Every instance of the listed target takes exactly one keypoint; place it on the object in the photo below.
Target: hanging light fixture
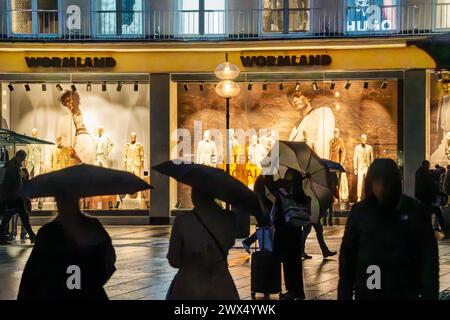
(384, 84)
(27, 87)
(315, 86)
(136, 86)
(44, 87)
(297, 86)
(119, 87)
(366, 84)
(73, 87)
(104, 86)
(88, 87)
(439, 76)
(59, 87)
(227, 71)
(347, 85)
(332, 85)
(10, 87)
(228, 89)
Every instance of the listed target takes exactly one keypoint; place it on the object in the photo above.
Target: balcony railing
(188, 25)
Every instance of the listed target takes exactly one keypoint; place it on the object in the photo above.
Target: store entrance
(113, 111)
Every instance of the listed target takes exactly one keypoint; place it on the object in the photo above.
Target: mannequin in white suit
(206, 151)
(362, 159)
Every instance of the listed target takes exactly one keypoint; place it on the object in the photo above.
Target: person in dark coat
(446, 184)
(426, 190)
(389, 250)
(72, 243)
(198, 248)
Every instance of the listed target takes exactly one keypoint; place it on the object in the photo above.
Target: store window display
(441, 111)
(34, 161)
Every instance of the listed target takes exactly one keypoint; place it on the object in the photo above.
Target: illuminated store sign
(70, 62)
(286, 61)
(365, 15)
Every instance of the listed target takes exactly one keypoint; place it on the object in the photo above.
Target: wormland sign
(70, 62)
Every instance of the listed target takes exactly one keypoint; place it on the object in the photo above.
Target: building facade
(143, 69)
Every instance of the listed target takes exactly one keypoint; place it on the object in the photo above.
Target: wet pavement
(144, 273)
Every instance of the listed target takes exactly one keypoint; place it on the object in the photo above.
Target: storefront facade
(378, 89)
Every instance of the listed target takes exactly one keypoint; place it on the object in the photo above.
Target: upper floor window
(34, 16)
(284, 16)
(442, 15)
(372, 15)
(119, 17)
(202, 17)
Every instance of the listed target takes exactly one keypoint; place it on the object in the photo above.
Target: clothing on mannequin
(362, 159)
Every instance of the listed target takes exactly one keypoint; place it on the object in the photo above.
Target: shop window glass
(274, 13)
(119, 17)
(297, 112)
(372, 15)
(442, 14)
(110, 117)
(34, 16)
(202, 16)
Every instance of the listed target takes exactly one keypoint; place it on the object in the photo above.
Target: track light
(366, 84)
(10, 87)
(119, 87)
(104, 86)
(265, 86)
(136, 86)
(384, 84)
(27, 87)
(58, 86)
(348, 85)
(332, 85)
(315, 86)
(440, 76)
(73, 87)
(202, 86)
(44, 87)
(297, 86)
(88, 87)
(250, 86)
(281, 86)
(186, 87)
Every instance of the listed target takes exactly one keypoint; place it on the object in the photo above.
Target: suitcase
(265, 274)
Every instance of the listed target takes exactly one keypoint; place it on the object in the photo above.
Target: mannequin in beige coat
(203, 271)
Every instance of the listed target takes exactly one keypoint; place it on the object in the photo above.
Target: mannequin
(337, 154)
(206, 151)
(60, 157)
(267, 141)
(439, 156)
(311, 144)
(256, 154)
(362, 159)
(103, 147)
(34, 156)
(234, 147)
(134, 156)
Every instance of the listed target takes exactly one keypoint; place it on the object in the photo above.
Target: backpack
(295, 214)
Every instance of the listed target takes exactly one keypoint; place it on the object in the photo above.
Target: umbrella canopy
(84, 181)
(438, 47)
(334, 166)
(212, 182)
(8, 137)
(299, 156)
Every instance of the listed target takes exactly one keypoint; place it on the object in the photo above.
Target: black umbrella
(84, 181)
(212, 182)
(299, 156)
(335, 166)
(438, 47)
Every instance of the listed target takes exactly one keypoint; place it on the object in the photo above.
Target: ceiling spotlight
(44, 87)
(297, 86)
(104, 86)
(439, 76)
(384, 84)
(88, 87)
(202, 86)
(281, 87)
(58, 86)
(73, 87)
(265, 86)
(366, 84)
(250, 86)
(315, 86)
(27, 87)
(186, 87)
(332, 85)
(119, 86)
(136, 86)
(10, 87)
(347, 85)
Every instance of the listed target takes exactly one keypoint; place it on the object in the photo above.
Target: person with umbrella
(73, 256)
(201, 238)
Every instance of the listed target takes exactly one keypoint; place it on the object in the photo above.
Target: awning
(438, 47)
(8, 137)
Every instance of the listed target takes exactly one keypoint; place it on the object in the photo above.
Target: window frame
(201, 20)
(286, 20)
(94, 18)
(34, 22)
(434, 13)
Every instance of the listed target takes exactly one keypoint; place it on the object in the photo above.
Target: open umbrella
(212, 182)
(84, 181)
(334, 166)
(299, 156)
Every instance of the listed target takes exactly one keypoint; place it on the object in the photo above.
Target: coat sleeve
(175, 254)
(347, 258)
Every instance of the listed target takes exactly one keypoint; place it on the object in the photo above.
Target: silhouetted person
(199, 246)
(426, 190)
(288, 238)
(72, 245)
(15, 220)
(388, 250)
(446, 184)
(11, 198)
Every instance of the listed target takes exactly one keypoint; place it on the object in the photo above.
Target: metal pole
(227, 164)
